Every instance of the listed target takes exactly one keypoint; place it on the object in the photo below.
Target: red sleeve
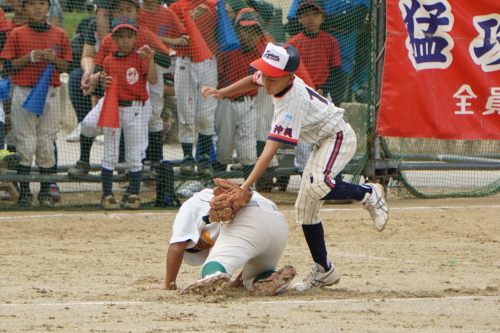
(335, 59)
(155, 42)
(65, 47)
(4, 24)
(104, 50)
(9, 50)
(176, 28)
(105, 66)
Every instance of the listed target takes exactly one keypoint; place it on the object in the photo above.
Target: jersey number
(313, 94)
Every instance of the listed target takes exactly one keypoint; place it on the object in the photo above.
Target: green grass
(71, 21)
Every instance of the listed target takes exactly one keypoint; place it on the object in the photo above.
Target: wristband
(32, 57)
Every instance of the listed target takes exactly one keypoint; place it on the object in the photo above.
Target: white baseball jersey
(302, 115)
(255, 239)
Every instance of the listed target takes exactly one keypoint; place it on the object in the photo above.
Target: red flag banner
(442, 70)
(110, 112)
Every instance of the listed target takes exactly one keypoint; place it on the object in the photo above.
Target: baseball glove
(228, 200)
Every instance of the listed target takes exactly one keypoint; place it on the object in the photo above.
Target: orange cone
(201, 51)
(110, 113)
(304, 75)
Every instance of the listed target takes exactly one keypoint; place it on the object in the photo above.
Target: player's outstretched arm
(240, 86)
(175, 254)
(146, 52)
(262, 163)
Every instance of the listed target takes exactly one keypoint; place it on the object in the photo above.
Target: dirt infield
(436, 268)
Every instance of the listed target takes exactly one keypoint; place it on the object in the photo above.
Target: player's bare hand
(182, 40)
(198, 11)
(163, 286)
(49, 54)
(209, 91)
(108, 81)
(89, 83)
(146, 52)
(36, 55)
(320, 92)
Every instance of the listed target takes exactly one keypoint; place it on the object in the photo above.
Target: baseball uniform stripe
(282, 139)
(333, 157)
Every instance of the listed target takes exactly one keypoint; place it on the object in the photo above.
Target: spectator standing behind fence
(31, 48)
(168, 27)
(128, 9)
(196, 67)
(131, 70)
(56, 14)
(236, 117)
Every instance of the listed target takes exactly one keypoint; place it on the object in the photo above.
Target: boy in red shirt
(132, 70)
(318, 50)
(235, 117)
(122, 9)
(31, 48)
(192, 71)
(170, 30)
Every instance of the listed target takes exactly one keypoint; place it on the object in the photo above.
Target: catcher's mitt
(228, 199)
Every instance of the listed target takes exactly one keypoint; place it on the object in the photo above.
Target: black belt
(125, 103)
(239, 98)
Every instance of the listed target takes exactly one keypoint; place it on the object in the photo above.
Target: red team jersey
(131, 72)
(23, 40)
(164, 22)
(4, 24)
(319, 54)
(234, 66)
(144, 37)
(206, 23)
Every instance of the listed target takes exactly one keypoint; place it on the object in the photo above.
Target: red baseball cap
(318, 4)
(123, 22)
(248, 17)
(277, 60)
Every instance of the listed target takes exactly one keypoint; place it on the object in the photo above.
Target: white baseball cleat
(377, 206)
(274, 284)
(318, 279)
(208, 284)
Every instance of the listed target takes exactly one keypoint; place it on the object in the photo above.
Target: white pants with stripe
(137, 134)
(235, 125)
(328, 158)
(196, 114)
(256, 239)
(35, 135)
(132, 123)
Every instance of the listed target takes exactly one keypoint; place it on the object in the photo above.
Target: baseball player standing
(196, 115)
(255, 240)
(31, 48)
(236, 117)
(302, 115)
(132, 70)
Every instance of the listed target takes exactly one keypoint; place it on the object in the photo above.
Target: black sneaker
(45, 200)
(187, 166)
(205, 166)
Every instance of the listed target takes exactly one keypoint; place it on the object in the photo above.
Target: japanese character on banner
(493, 103)
(464, 93)
(427, 22)
(485, 48)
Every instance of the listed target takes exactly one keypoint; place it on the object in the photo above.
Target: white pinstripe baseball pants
(328, 158)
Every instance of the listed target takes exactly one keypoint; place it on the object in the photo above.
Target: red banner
(442, 70)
